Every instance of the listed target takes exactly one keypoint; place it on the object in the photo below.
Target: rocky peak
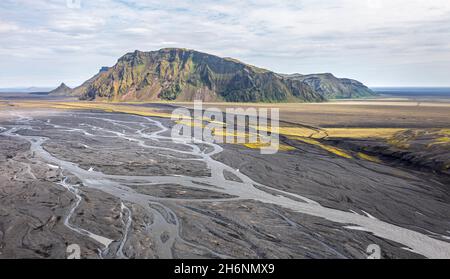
(62, 90)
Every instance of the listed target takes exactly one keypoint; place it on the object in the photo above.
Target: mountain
(62, 90)
(332, 87)
(81, 90)
(185, 75)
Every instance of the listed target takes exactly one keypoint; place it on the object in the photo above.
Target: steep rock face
(62, 90)
(185, 75)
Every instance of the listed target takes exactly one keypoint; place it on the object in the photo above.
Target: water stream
(166, 226)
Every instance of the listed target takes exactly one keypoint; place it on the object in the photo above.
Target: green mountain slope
(185, 75)
(332, 87)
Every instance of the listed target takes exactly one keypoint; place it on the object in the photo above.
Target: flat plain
(109, 178)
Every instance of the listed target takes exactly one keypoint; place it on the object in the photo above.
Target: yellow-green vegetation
(398, 137)
(305, 132)
(381, 133)
(296, 131)
(302, 132)
(242, 138)
(421, 138)
(103, 106)
(439, 141)
(107, 107)
(403, 139)
(355, 133)
(281, 147)
(443, 140)
(329, 148)
(235, 135)
(355, 113)
(190, 123)
(445, 132)
(368, 157)
(399, 143)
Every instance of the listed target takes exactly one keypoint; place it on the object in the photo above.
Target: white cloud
(372, 40)
(8, 27)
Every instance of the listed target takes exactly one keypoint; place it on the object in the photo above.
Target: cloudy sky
(379, 42)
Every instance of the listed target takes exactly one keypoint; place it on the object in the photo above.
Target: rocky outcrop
(62, 90)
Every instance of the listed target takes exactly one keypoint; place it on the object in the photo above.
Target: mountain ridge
(176, 74)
